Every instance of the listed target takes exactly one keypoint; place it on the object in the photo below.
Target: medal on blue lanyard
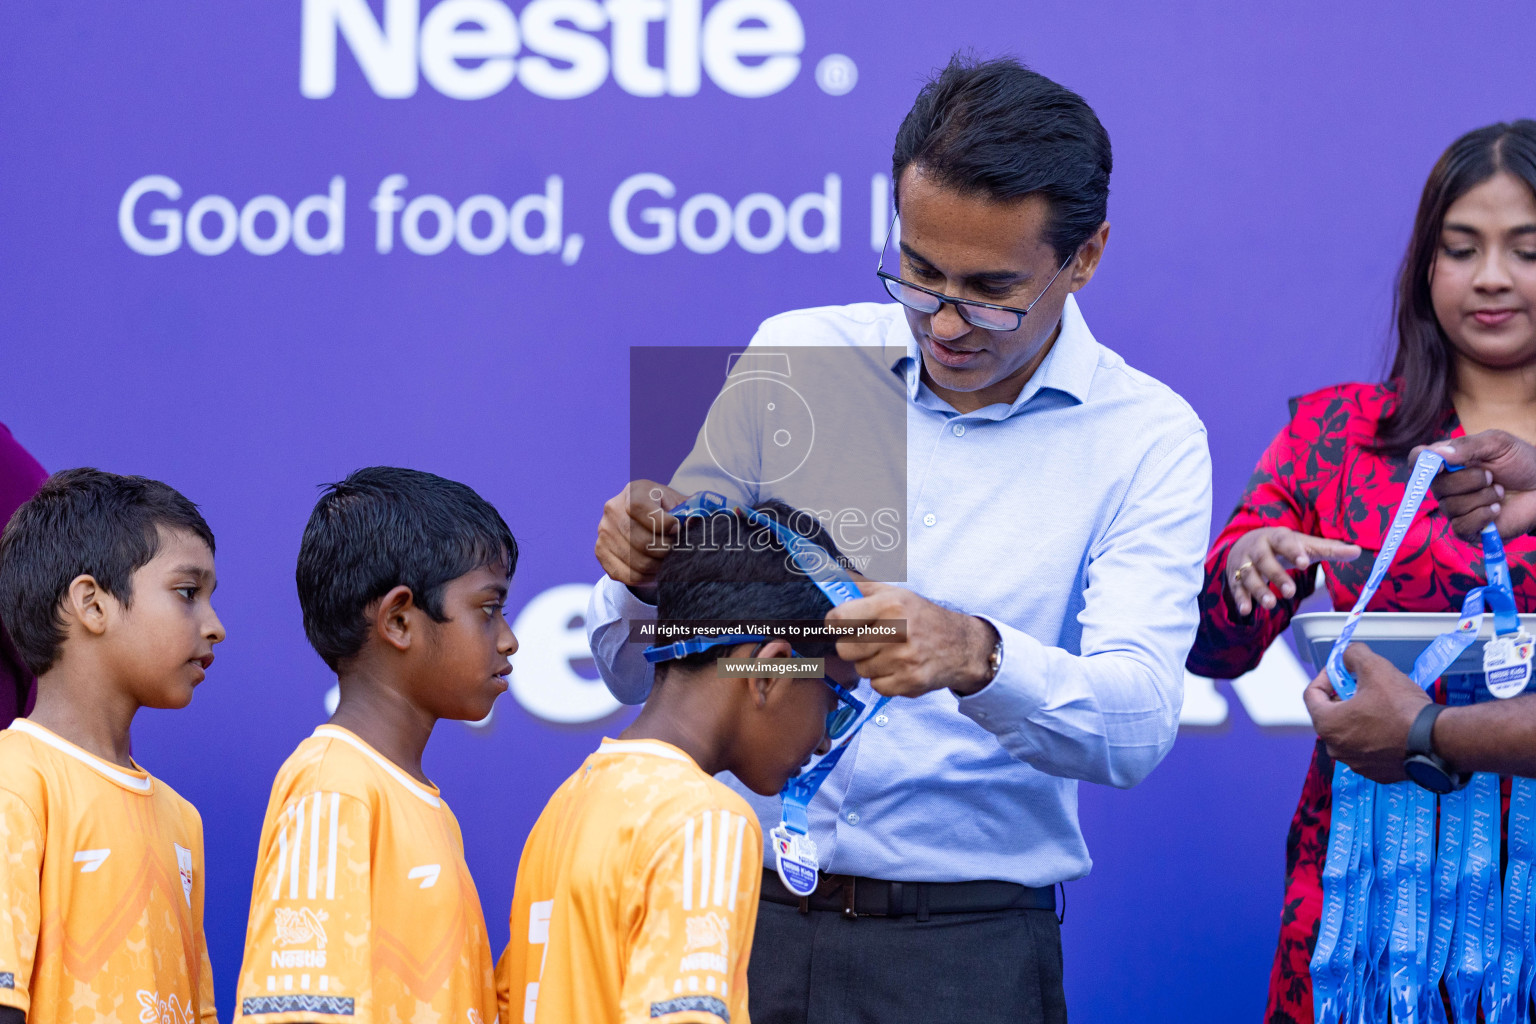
(1347, 972)
(795, 855)
(1507, 657)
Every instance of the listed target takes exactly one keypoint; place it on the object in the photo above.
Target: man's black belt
(853, 896)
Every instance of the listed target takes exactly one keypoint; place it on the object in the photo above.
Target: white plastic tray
(1396, 636)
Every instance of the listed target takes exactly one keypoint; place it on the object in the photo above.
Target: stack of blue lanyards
(1406, 904)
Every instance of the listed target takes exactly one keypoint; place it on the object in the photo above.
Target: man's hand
(1368, 732)
(1497, 485)
(942, 649)
(636, 532)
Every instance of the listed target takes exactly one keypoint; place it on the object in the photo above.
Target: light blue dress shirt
(1075, 520)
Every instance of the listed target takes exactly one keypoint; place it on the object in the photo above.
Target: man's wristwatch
(994, 661)
(1422, 764)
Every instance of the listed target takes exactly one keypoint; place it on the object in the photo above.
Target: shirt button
(959, 429)
(930, 519)
(981, 715)
(881, 719)
(853, 817)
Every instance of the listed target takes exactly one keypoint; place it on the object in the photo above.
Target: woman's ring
(1237, 574)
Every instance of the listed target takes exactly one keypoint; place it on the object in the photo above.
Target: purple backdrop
(1268, 163)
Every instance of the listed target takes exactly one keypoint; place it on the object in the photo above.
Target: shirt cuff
(1008, 700)
(610, 614)
(622, 603)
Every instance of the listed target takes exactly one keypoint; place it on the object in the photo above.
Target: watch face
(1428, 774)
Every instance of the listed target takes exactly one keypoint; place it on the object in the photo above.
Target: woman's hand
(1260, 559)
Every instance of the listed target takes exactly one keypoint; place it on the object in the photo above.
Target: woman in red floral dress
(1324, 492)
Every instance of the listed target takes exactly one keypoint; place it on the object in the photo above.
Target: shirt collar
(1068, 368)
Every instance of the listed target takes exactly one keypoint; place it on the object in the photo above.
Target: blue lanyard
(839, 587)
(806, 555)
(1387, 932)
(1528, 932)
(1508, 1007)
(798, 791)
(1448, 893)
(1480, 879)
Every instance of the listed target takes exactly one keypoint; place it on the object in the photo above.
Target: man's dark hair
(724, 567)
(82, 522)
(996, 129)
(384, 527)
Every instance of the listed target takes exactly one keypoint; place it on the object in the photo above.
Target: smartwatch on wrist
(1422, 764)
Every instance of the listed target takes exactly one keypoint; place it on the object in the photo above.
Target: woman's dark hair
(383, 527)
(81, 522)
(995, 128)
(1422, 370)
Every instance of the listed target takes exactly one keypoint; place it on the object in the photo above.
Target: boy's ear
(762, 686)
(87, 604)
(392, 620)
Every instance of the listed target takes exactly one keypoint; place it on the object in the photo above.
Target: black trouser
(823, 968)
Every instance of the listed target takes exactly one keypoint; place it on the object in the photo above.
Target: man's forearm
(1499, 736)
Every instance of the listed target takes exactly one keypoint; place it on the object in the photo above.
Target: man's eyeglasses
(839, 721)
(989, 316)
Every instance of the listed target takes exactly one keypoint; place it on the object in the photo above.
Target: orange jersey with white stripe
(636, 897)
(102, 873)
(362, 908)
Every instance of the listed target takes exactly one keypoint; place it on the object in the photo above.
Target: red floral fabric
(1320, 477)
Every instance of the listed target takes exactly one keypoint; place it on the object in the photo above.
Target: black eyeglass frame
(891, 281)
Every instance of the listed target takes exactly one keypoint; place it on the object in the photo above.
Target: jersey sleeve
(21, 873)
(686, 961)
(307, 942)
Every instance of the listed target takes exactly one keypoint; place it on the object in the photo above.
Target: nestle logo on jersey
(298, 958)
(295, 926)
(471, 49)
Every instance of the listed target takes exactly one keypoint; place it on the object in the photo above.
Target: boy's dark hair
(383, 527)
(995, 128)
(726, 568)
(81, 522)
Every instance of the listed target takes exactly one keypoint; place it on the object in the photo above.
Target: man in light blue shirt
(1058, 509)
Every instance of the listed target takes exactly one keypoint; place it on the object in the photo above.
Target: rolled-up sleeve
(1110, 713)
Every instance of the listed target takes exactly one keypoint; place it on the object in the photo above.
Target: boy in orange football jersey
(637, 891)
(362, 909)
(105, 583)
